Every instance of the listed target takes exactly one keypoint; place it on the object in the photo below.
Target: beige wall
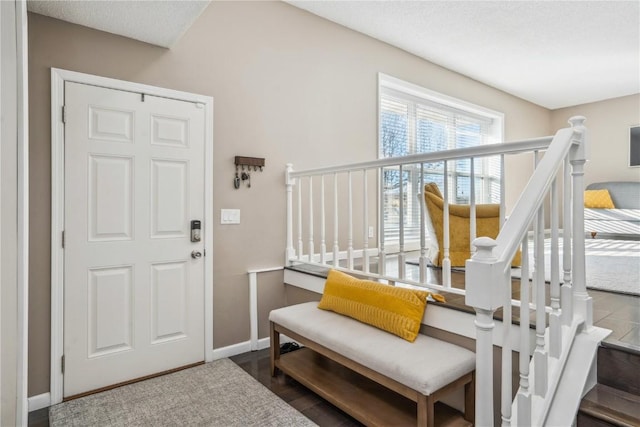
(287, 85)
(608, 123)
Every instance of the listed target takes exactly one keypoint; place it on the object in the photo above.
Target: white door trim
(22, 411)
(58, 78)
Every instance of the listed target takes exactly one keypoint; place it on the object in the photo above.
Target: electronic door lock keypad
(195, 230)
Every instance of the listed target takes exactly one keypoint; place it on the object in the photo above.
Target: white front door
(134, 181)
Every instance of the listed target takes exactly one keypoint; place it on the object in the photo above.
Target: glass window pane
(409, 125)
(394, 119)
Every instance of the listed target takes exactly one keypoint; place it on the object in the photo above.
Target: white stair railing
(308, 197)
(488, 287)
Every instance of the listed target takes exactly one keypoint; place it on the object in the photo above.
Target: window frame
(419, 94)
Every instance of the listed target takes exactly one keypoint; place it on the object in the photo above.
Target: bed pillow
(393, 309)
(598, 199)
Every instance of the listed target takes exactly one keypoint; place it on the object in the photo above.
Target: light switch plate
(229, 216)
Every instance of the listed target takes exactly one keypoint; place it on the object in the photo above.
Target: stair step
(609, 406)
(619, 367)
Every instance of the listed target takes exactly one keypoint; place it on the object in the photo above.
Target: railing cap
(577, 121)
(484, 247)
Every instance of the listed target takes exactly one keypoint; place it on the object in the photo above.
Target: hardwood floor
(308, 403)
(39, 418)
(621, 314)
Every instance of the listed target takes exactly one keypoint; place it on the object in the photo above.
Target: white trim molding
(14, 260)
(39, 401)
(253, 303)
(58, 79)
(22, 412)
(245, 347)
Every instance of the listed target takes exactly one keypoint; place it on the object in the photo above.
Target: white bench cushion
(426, 365)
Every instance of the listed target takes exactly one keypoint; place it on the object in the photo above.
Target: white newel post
(583, 304)
(483, 285)
(290, 252)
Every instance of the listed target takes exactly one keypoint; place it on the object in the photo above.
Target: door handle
(196, 254)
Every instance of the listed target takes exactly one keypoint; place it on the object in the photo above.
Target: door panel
(110, 125)
(169, 297)
(134, 179)
(170, 131)
(110, 311)
(110, 198)
(169, 199)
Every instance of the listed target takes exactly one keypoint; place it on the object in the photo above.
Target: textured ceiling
(552, 53)
(160, 23)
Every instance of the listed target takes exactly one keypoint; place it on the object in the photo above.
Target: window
(415, 120)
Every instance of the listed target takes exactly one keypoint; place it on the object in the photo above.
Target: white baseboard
(245, 347)
(231, 350)
(264, 343)
(39, 401)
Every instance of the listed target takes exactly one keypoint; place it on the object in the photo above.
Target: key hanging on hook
(246, 177)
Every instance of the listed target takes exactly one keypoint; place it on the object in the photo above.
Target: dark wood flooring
(308, 403)
(615, 400)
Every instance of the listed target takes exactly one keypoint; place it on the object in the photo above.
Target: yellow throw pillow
(393, 309)
(598, 199)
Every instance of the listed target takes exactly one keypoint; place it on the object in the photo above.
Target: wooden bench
(376, 377)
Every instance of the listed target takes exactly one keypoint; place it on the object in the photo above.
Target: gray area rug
(219, 393)
(610, 265)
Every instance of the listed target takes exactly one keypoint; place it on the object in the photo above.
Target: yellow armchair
(487, 224)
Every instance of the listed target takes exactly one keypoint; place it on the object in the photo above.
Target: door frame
(58, 78)
(16, 60)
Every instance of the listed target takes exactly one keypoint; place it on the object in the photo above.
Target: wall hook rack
(255, 163)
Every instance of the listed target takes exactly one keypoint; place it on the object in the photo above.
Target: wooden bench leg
(470, 399)
(274, 349)
(425, 411)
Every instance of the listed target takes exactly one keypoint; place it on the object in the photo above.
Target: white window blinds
(412, 124)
